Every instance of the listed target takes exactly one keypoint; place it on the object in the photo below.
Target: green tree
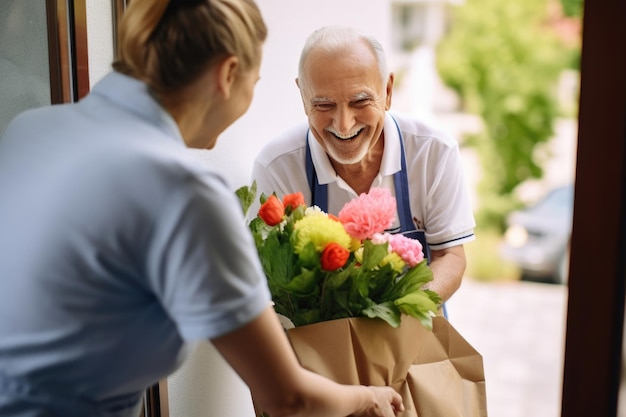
(572, 8)
(503, 60)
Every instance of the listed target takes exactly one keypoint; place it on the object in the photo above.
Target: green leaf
(412, 281)
(433, 296)
(381, 279)
(361, 285)
(415, 303)
(333, 301)
(304, 284)
(373, 254)
(419, 305)
(336, 279)
(246, 196)
(303, 317)
(297, 214)
(309, 256)
(277, 259)
(386, 311)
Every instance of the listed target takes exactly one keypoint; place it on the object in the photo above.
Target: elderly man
(352, 142)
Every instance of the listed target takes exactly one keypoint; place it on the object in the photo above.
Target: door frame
(595, 315)
(67, 50)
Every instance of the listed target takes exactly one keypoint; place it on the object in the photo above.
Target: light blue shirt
(116, 246)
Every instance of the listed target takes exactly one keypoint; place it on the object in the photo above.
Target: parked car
(537, 238)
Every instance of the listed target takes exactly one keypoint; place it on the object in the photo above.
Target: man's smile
(348, 136)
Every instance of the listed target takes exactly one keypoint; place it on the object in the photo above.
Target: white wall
(99, 39)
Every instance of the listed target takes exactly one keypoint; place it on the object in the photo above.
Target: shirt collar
(133, 96)
(390, 163)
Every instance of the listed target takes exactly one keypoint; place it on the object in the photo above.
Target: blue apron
(319, 197)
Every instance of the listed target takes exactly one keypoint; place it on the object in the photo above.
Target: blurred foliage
(504, 60)
(483, 260)
(572, 8)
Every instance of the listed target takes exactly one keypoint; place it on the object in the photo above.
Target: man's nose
(344, 120)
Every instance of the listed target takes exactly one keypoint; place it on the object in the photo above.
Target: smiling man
(353, 142)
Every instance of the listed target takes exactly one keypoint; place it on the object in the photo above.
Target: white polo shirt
(439, 196)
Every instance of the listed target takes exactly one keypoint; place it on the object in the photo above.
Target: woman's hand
(262, 356)
(384, 402)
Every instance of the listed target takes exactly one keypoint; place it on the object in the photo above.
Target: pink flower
(369, 213)
(410, 250)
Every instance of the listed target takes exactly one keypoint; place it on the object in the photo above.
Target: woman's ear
(227, 74)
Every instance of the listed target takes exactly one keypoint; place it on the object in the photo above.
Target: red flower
(334, 256)
(294, 200)
(272, 211)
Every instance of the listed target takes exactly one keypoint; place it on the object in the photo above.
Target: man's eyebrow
(321, 100)
(361, 96)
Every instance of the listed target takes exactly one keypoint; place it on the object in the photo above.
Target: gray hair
(332, 38)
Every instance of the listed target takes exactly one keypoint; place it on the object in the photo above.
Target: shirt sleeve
(203, 263)
(449, 220)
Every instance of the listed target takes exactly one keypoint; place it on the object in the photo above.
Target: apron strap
(319, 195)
(401, 183)
(319, 192)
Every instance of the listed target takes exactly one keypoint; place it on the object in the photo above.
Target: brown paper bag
(437, 372)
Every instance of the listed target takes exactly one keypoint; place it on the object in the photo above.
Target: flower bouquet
(356, 307)
(321, 267)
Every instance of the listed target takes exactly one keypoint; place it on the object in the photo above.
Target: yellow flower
(355, 245)
(392, 258)
(358, 255)
(396, 262)
(320, 230)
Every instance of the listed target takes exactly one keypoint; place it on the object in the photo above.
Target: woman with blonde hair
(119, 250)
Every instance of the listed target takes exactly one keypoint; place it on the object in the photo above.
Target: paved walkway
(519, 328)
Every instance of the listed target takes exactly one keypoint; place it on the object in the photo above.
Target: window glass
(24, 67)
